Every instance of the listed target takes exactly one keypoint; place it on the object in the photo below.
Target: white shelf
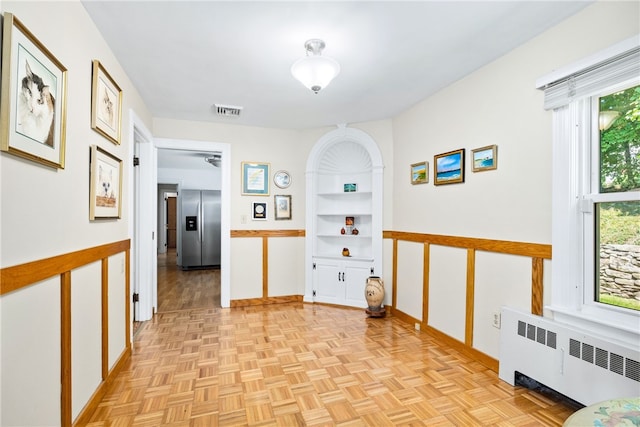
(345, 236)
(343, 258)
(352, 194)
(343, 214)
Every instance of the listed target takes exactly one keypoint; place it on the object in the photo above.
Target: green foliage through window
(620, 141)
(618, 223)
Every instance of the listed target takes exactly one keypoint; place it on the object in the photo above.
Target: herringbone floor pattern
(307, 365)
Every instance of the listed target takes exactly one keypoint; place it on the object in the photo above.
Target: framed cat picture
(105, 187)
(106, 104)
(33, 100)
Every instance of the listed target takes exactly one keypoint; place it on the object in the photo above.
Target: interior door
(171, 222)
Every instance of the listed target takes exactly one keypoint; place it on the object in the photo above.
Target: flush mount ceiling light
(314, 70)
(214, 160)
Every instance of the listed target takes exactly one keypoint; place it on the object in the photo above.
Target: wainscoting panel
(31, 330)
(285, 256)
(55, 337)
(86, 340)
(117, 292)
(503, 277)
(447, 290)
(409, 279)
(248, 270)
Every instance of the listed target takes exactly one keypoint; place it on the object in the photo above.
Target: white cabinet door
(326, 282)
(341, 282)
(355, 280)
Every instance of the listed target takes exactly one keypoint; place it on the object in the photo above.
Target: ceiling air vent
(227, 110)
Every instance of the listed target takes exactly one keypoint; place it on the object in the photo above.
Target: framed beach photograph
(255, 179)
(485, 158)
(282, 205)
(420, 173)
(105, 188)
(106, 103)
(350, 188)
(449, 167)
(33, 103)
(259, 211)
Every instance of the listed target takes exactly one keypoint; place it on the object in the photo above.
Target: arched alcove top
(343, 149)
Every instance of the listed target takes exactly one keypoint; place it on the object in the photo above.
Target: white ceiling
(185, 159)
(184, 56)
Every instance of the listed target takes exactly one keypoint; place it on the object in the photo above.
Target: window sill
(608, 324)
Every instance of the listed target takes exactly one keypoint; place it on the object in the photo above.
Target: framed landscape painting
(34, 97)
(485, 158)
(420, 173)
(449, 167)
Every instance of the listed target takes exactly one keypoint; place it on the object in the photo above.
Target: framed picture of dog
(106, 104)
(33, 103)
(105, 188)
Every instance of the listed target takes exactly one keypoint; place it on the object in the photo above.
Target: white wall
(282, 149)
(48, 216)
(54, 205)
(497, 104)
(194, 179)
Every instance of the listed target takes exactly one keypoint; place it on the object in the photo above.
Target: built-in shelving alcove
(344, 180)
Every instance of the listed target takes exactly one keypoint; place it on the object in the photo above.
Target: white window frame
(575, 191)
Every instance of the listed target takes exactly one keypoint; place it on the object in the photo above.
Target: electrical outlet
(496, 319)
(417, 326)
(243, 219)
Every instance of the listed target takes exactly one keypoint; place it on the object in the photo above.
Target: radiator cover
(578, 364)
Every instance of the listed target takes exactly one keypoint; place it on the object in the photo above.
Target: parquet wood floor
(182, 290)
(307, 365)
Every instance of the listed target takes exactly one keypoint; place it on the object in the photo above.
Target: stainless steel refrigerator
(200, 229)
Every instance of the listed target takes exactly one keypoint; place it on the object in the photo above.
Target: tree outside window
(617, 223)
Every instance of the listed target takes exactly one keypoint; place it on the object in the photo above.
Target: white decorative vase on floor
(374, 294)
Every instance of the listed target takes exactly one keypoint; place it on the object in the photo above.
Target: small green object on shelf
(350, 188)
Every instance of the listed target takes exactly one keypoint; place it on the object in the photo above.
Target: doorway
(167, 217)
(221, 162)
(172, 214)
(143, 228)
(178, 288)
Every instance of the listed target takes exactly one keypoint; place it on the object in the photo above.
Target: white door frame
(225, 198)
(143, 195)
(143, 226)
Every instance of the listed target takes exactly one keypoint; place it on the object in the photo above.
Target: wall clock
(282, 179)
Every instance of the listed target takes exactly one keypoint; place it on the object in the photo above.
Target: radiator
(573, 362)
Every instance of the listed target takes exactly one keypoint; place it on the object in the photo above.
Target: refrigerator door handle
(199, 210)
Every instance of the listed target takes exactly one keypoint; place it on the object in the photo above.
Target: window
(596, 191)
(616, 221)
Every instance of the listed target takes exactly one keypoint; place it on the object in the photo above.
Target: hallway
(184, 290)
(304, 364)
